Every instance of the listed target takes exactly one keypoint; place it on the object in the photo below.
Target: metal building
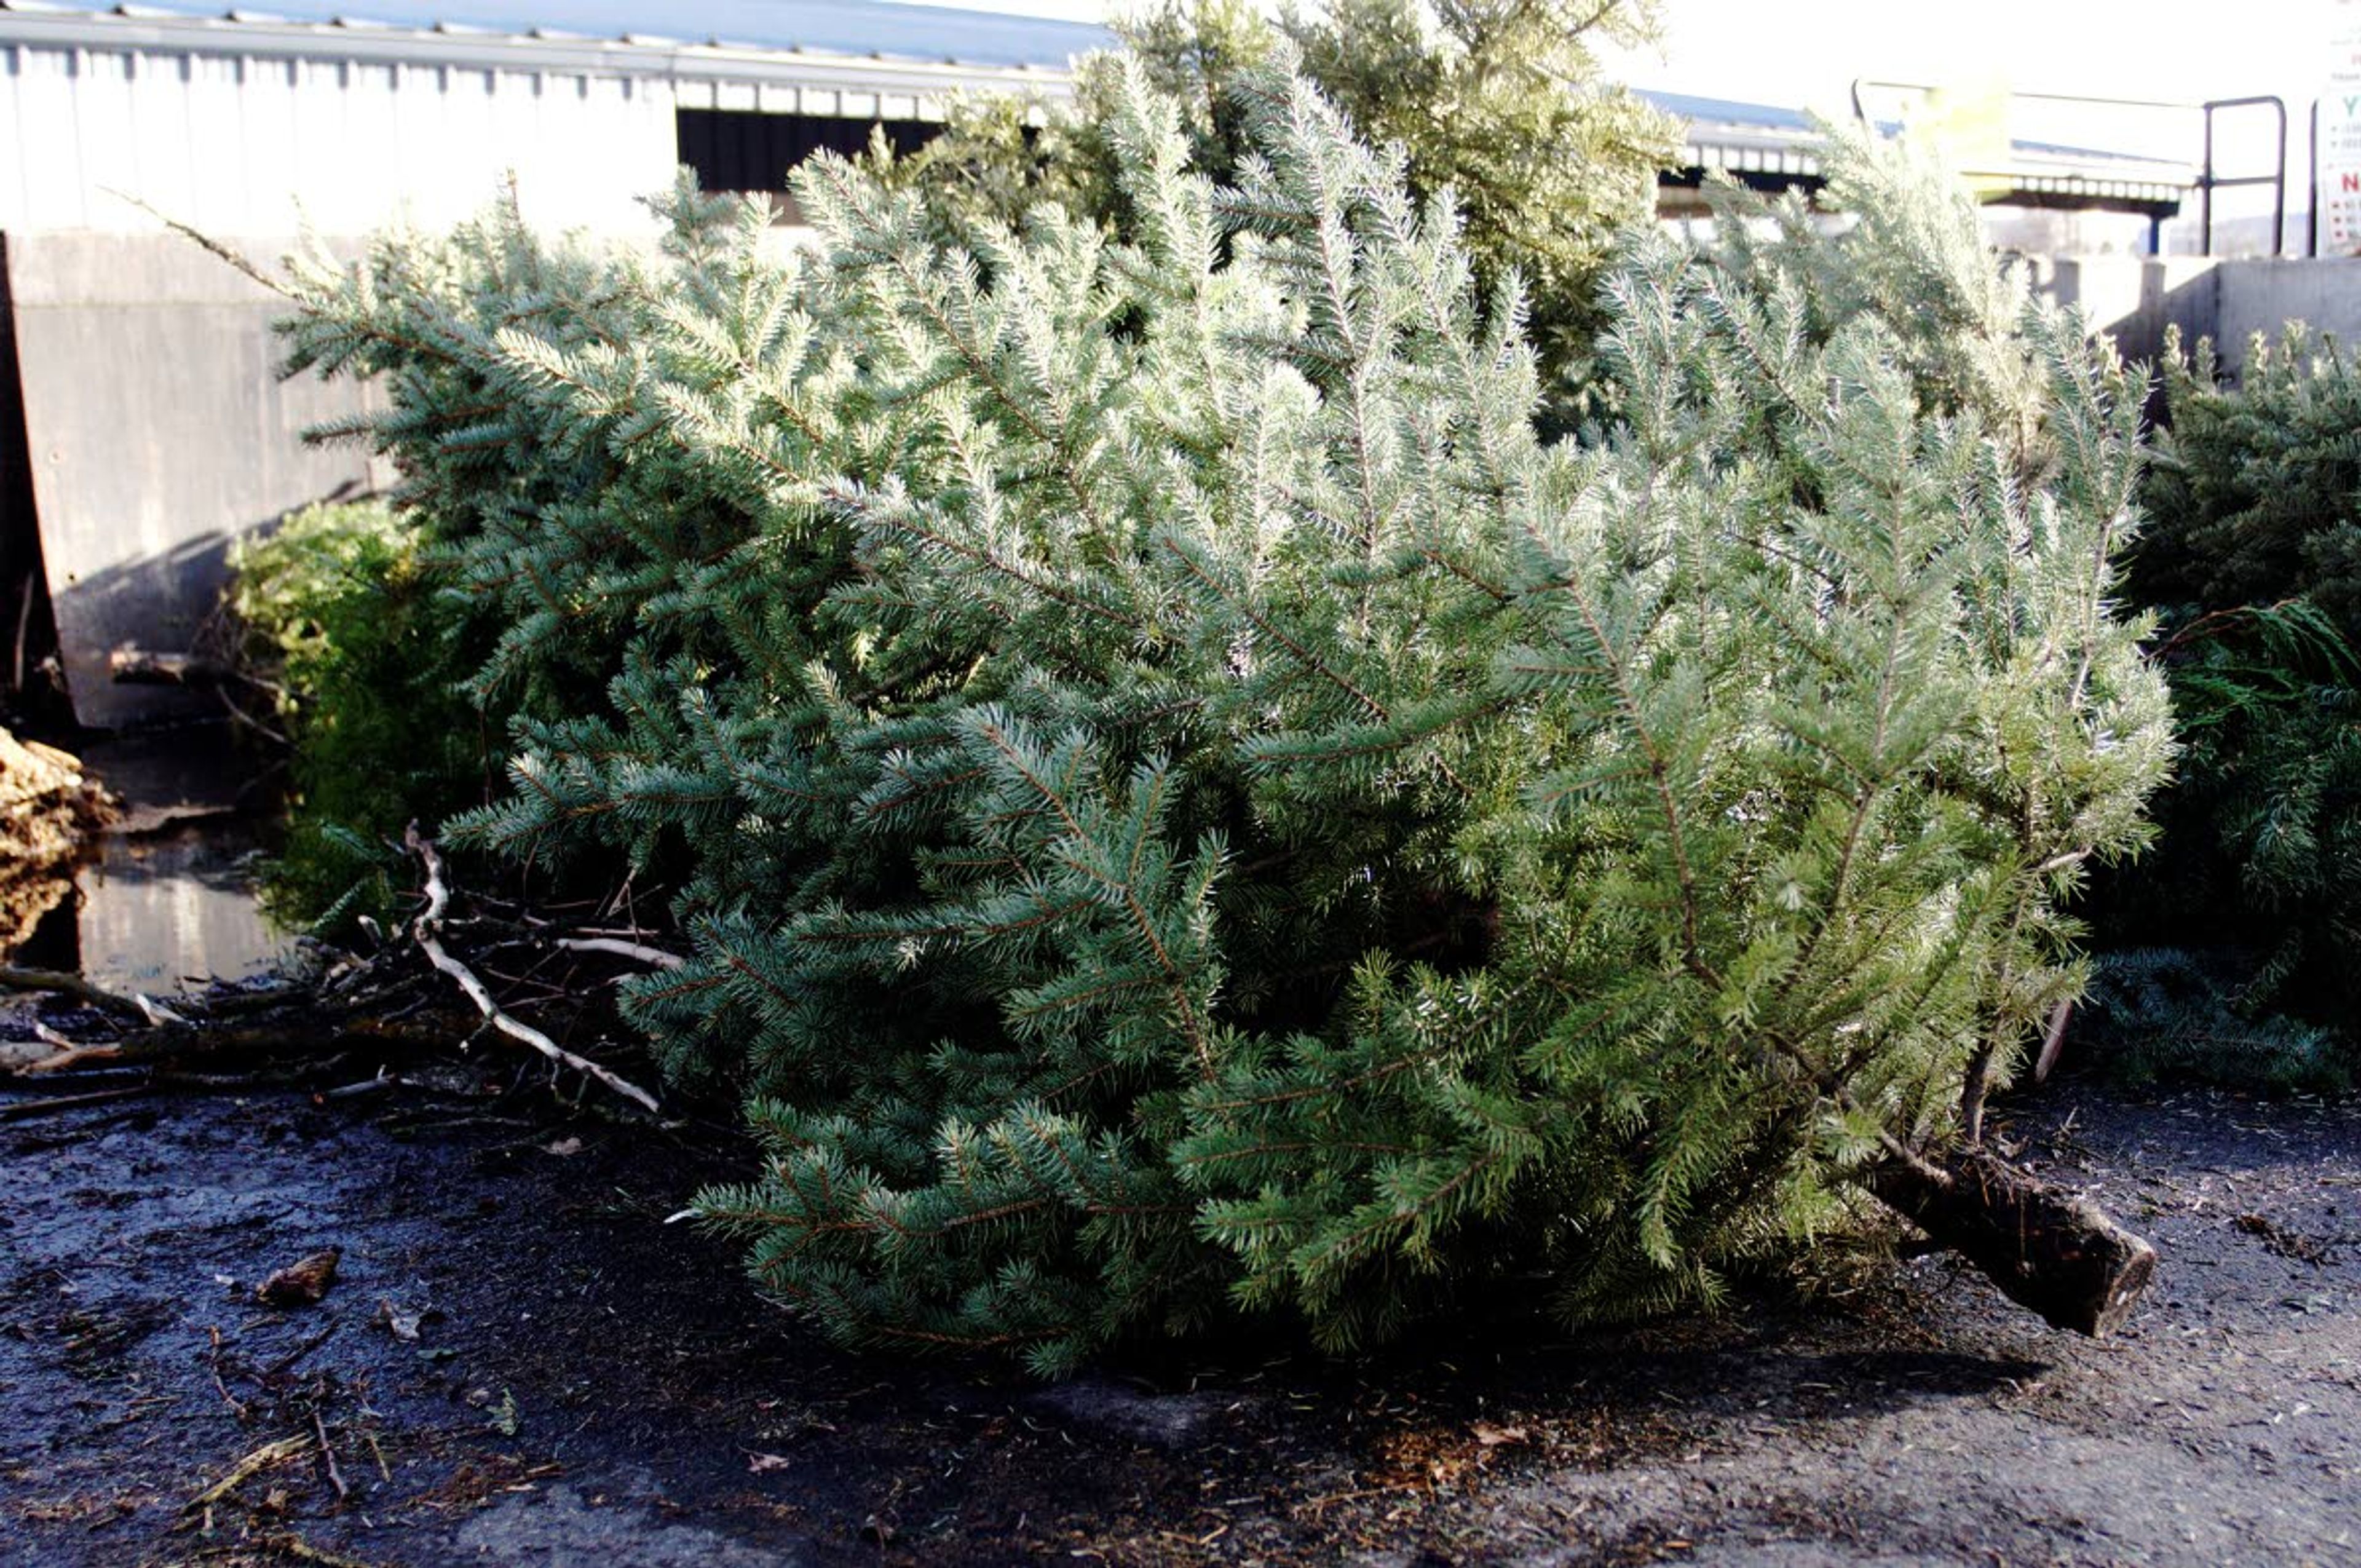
(141, 427)
(253, 123)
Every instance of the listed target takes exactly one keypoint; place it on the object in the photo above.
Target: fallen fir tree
(1184, 804)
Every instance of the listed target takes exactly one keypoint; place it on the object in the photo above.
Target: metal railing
(2209, 181)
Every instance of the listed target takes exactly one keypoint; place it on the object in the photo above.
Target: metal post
(2205, 191)
(2278, 187)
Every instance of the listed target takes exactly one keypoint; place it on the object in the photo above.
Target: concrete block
(2134, 298)
(2260, 296)
(159, 431)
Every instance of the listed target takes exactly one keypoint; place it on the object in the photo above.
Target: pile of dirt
(49, 810)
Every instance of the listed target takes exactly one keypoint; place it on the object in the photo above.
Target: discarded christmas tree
(1502, 102)
(2244, 927)
(1182, 802)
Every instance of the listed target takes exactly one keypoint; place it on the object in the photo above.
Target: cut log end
(2046, 1248)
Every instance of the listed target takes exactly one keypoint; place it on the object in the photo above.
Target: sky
(1795, 52)
(1805, 53)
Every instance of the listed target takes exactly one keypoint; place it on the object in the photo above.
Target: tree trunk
(2046, 1248)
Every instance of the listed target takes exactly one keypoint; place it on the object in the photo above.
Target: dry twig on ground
(426, 930)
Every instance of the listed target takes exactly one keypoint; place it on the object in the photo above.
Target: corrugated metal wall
(245, 146)
(157, 432)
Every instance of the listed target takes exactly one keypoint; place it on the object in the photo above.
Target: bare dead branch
(26, 1109)
(2052, 1039)
(655, 957)
(328, 1459)
(59, 983)
(426, 931)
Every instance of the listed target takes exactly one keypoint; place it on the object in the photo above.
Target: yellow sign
(1968, 125)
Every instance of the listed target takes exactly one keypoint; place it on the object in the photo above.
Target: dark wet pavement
(588, 1385)
(168, 893)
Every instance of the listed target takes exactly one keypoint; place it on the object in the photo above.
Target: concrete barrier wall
(2264, 296)
(158, 432)
(2134, 298)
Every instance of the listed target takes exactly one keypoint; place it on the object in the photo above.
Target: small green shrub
(350, 622)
